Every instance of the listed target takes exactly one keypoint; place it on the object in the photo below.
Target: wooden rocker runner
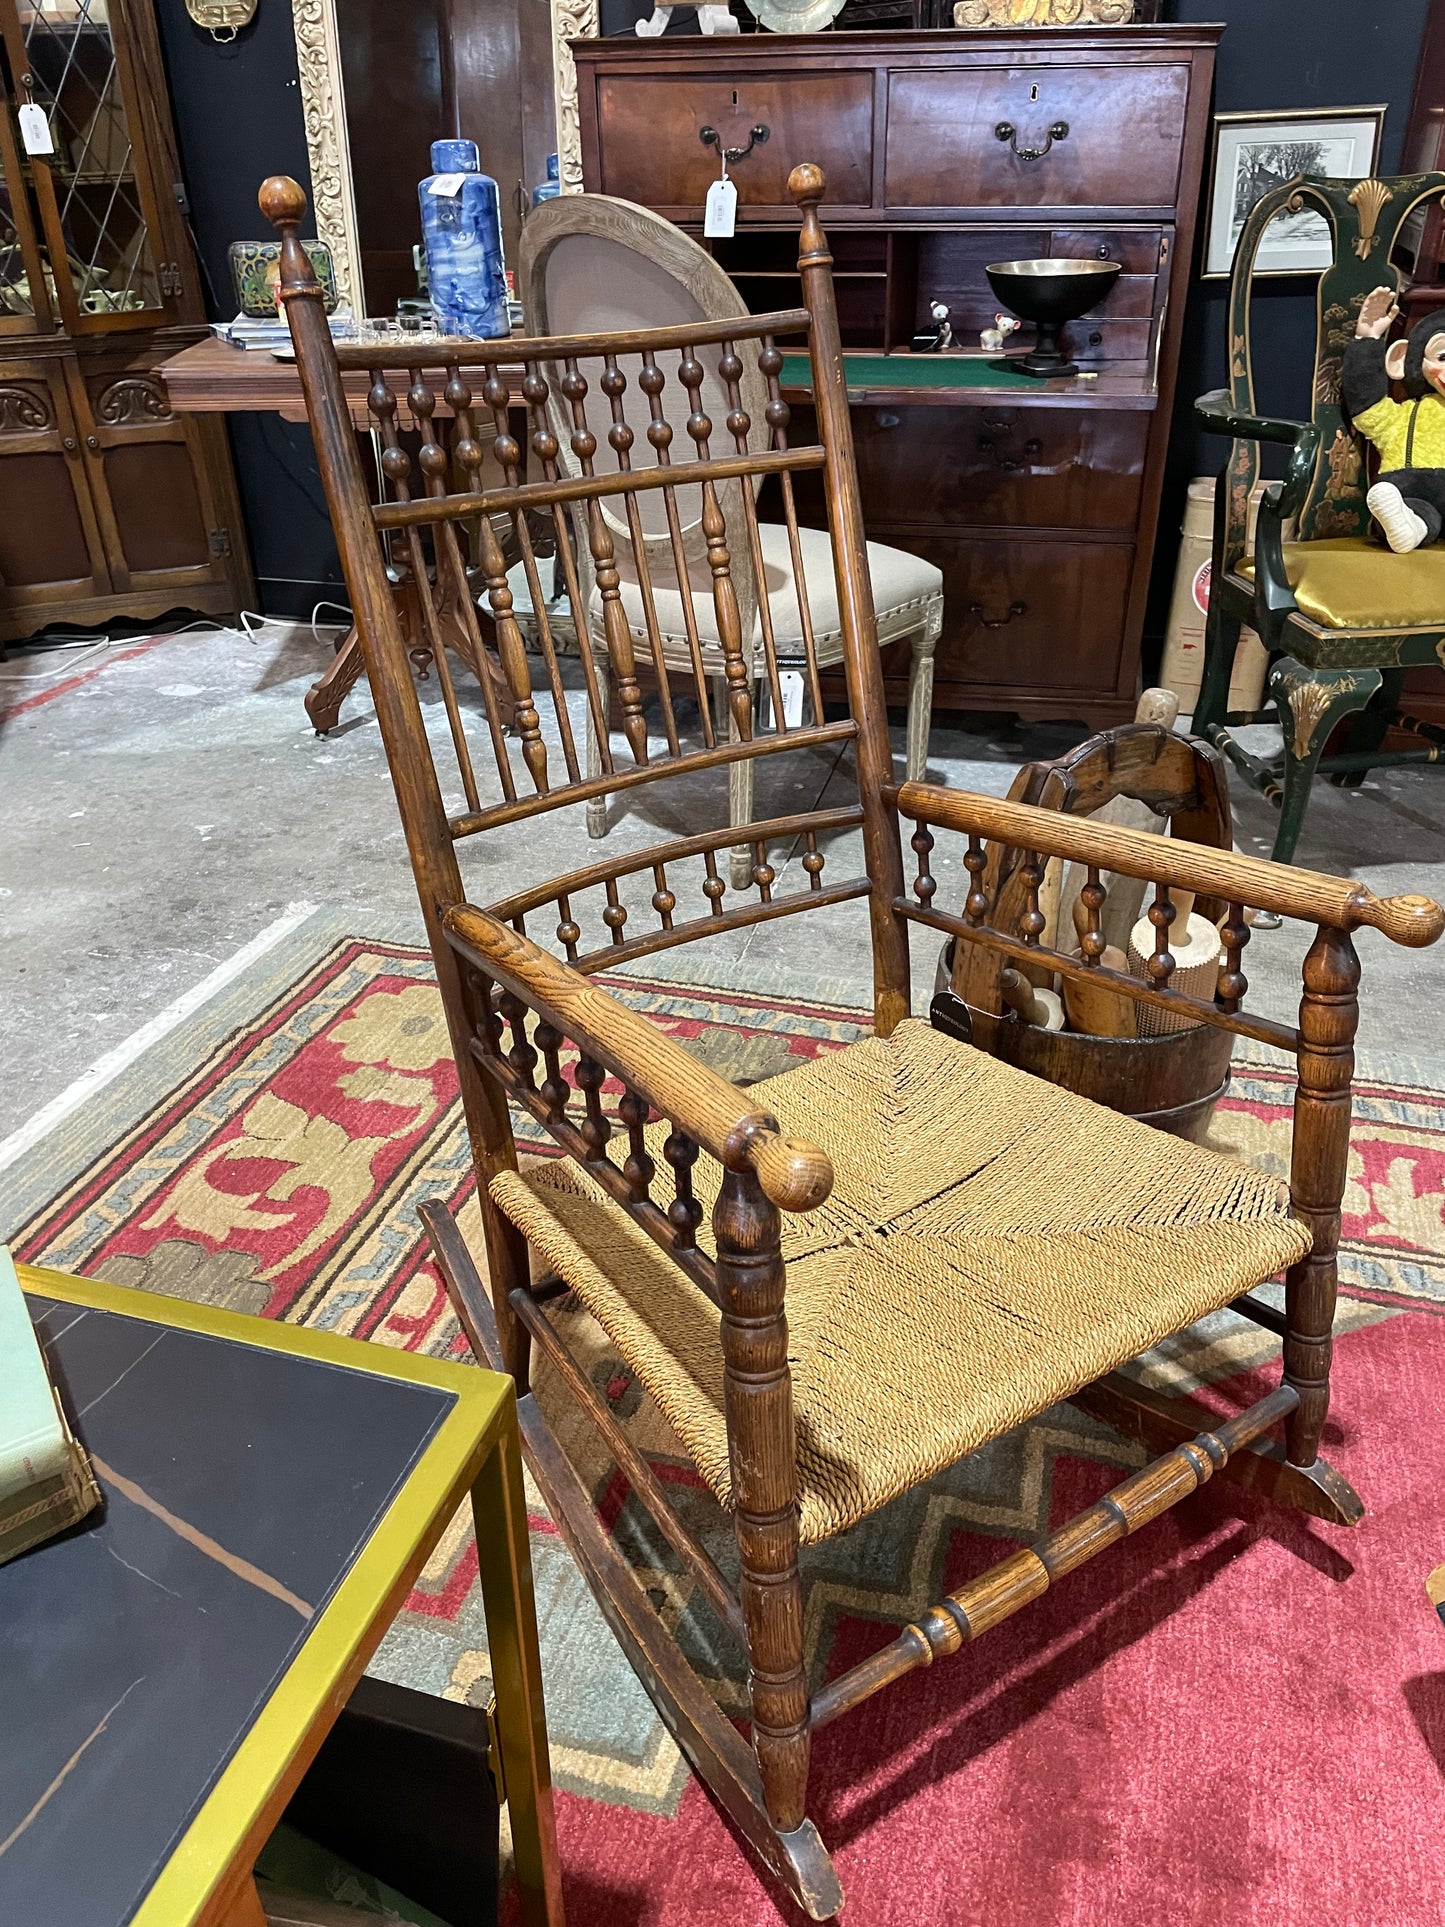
(840, 1281)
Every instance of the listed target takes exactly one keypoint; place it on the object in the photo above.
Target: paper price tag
(35, 130)
(447, 184)
(721, 211)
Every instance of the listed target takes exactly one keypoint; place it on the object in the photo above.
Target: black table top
(240, 1484)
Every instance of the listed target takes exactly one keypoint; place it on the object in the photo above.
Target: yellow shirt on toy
(1408, 434)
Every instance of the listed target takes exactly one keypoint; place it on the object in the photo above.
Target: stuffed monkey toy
(1408, 500)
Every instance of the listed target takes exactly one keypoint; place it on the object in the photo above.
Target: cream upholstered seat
(907, 591)
(970, 1268)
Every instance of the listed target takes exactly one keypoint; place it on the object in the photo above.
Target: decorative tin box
(255, 266)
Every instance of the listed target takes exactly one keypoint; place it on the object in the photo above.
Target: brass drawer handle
(1006, 131)
(998, 622)
(710, 137)
(1031, 449)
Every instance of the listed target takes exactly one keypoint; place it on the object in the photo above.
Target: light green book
(46, 1483)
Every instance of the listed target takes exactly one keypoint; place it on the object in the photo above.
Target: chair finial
(283, 202)
(807, 184)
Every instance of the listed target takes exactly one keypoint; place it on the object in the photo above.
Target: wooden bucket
(1172, 1082)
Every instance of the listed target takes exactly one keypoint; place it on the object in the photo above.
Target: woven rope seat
(992, 1243)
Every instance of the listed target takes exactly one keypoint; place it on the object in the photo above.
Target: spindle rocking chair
(864, 1269)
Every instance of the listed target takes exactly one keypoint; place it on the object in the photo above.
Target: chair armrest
(1220, 416)
(794, 1174)
(1334, 901)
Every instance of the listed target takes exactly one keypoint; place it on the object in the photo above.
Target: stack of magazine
(246, 331)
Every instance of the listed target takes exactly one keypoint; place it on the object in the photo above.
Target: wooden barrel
(1172, 1082)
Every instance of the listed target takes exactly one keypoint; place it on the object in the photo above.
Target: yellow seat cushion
(1347, 582)
(992, 1243)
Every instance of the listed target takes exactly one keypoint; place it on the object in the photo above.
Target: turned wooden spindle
(1090, 928)
(569, 932)
(976, 904)
(762, 1459)
(763, 874)
(713, 887)
(925, 887)
(596, 1127)
(663, 900)
(521, 1056)
(614, 914)
(639, 1168)
(1234, 934)
(1032, 921)
(1160, 963)
(555, 1091)
(813, 860)
(684, 1214)
(1329, 1015)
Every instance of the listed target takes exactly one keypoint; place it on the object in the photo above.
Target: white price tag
(35, 130)
(447, 185)
(721, 211)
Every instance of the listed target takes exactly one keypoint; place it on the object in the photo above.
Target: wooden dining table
(213, 378)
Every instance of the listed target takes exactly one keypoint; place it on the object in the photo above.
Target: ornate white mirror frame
(323, 103)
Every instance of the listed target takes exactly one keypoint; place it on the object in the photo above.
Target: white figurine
(711, 18)
(992, 339)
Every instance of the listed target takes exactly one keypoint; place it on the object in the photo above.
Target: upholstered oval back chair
(592, 264)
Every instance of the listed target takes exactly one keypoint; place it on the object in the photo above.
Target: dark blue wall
(237, 110)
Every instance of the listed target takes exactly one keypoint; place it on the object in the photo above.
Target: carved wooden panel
(24, 409)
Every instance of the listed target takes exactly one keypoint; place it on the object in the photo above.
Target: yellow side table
(171, 1667)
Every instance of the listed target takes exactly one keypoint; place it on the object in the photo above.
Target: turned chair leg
(920, 693)
(597, 808)
(1329, 1014)
(759, 1395)
(1309, 707)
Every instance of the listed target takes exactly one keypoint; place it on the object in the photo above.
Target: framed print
(1254, 153)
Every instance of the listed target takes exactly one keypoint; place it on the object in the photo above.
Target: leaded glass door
(97, 201)
(26, 306)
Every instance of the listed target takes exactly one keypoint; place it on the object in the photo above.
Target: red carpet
(1238, 1716)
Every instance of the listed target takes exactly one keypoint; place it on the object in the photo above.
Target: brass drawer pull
(1031, 449)
(998, 622)
(1006, 131)
(710, 137)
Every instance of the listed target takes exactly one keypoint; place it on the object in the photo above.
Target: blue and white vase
(461, 222)
(549, 189)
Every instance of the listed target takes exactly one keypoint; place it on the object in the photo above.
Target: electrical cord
(253, 623)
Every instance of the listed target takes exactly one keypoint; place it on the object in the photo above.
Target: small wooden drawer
(981, 136)
(1026, 615)
(1000, 466)
(651, 148)
(1138, 250)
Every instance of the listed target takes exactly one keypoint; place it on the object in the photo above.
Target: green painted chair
(1341, 617)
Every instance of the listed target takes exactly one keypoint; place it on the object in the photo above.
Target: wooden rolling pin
(1094, 1009)
(1042, 1008)
(1195, 947)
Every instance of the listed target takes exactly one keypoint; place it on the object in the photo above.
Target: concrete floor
(162, 813)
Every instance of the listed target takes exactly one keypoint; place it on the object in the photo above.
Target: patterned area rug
(271, 1159)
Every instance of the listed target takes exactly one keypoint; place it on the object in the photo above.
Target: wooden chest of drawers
(945, 151)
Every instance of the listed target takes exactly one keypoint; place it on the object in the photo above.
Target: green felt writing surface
(913, 371)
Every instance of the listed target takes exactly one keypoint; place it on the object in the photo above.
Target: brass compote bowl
(1049, 293)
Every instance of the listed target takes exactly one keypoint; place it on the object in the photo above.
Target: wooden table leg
(325, 696)
(245, 1909)
(505, 1560)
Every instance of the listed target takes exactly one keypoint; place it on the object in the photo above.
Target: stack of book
(272, 332)
(46, 1483)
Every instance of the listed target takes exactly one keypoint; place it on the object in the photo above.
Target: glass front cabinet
(110, 505)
